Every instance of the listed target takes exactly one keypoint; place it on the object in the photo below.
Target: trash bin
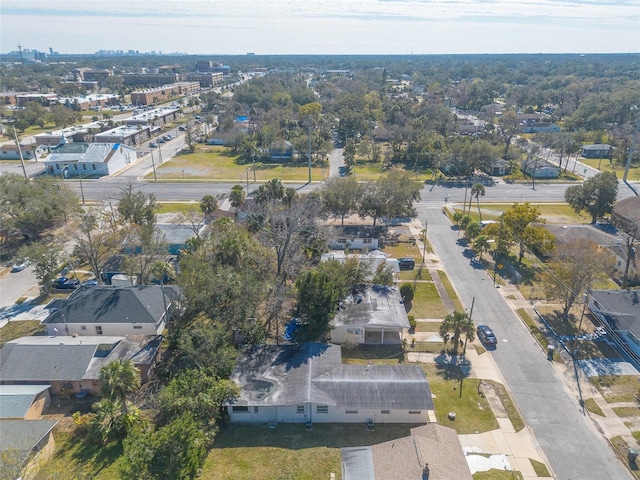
(550, 350)
(632, 454)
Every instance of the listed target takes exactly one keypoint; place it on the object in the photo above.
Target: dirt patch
(62, 410)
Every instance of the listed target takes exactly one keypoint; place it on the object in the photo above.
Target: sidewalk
(516, 448)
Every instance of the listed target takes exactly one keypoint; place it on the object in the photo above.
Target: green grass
(217, 163)
(174, 207)
(403, 249)
(289, 451)
(551, 212)
(636, 435)
(494, 474)
(83, 459)
(416, 274)
(616, 388)
(453, 392)
(426, 302)
(591, 405)
(450, 291)
(384, 354)
(627, 411)
(509, 406)
(24, 328)
(540, 468)
(621, 449)
(428, 326)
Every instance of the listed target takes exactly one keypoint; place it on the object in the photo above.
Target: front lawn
(426, 302)
(616, 388)
(23, 328)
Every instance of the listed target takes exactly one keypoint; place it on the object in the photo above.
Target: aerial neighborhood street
(207, 265)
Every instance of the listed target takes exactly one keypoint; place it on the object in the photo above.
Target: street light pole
(153, 165)
(81, 189)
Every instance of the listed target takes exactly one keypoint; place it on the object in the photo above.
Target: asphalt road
(570, 441)
(14, 285)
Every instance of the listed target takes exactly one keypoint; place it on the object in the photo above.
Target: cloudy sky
(322, 26)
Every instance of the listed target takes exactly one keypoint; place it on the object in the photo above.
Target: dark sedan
(64, 283)
(486, 335)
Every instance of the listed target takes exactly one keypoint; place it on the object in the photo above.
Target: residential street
(573, 446)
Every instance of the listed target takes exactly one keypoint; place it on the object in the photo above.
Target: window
(322, 409)
(299, 408)
(351, 412)
(366, 240)
(98, 330)
(342, 240)
(240, 409)
(83, 327)
(384, 412)
(415, 412)
(75, 166)
(137, 327)
(84, 166)
(93, 166)
(255, 409)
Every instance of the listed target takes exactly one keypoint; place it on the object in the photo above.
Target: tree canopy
(596, 196)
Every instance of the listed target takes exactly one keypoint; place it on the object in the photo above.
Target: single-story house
(620, 311)
(371, 260)
(498, 167)
(307, 383)
(370, 314)
(540, 169)
(540, 127)
(359, 237)
(23, 402)
(75, 133)
(599, 150)
(72, 364)
(177, 234)
(622, 256)
(89, 160)
(114, 311)
(24, 446)
(431, 452)
(281, 150)
(9, 151)
(626, 216)
(126, 134)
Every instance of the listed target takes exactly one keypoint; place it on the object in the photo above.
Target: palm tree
(481, 244)
(106, 419)
(208, 205)
(236, 197)
(454, 326)
(289, 196)
(477, 191)
(119, 379)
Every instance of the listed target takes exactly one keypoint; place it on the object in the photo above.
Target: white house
(540, 169)
(358, 237)
(370, 314)
(89, 160)
(307, 383)
(619, 310)
(111, 310)
(370, 260)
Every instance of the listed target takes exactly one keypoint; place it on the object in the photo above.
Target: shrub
(412, 321)
(406, 290)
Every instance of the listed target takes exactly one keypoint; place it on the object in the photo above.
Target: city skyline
(324, 26)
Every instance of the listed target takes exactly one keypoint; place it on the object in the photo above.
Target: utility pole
(153, 165)
(309, 148)
(466, 337)
(24, 169)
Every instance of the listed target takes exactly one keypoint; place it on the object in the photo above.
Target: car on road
(20, 265)
(161, 140)
(182, 128)
(343, 170)
(167, 137)
(486, 335)
(153, 145)
(64, 283)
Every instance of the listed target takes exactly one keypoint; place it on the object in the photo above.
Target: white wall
(108, 329)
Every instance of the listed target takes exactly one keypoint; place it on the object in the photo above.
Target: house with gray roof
(370, 260)
(114, 310)
(23, 402)
(89, 160)
(370, 314)
(307, 383)
(24, 446)
(619, 310)
(71, 364)
(431, 452)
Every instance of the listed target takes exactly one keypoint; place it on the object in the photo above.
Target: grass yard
(621, 448)
(540, 468)
(416, 274)
(24, 328)
(216, 163)
(363, 354)
(426, 302)
(428, 326)
(404, 250)
(494, 474)
(289, 451)
(174, 207)
(450, 291)
(591, 405)
(551, 212)
(616, 388)
(453, 392)
(627, 411)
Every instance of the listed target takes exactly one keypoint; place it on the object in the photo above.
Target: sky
(322, 26)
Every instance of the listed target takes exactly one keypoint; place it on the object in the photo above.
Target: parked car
(21, 265)
(161, 140)
(486, 335)
(406, 263)
(64, 283)
(90, 283)
(182, 128)
(153, 145)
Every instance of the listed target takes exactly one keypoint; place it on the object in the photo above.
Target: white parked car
(21, 265)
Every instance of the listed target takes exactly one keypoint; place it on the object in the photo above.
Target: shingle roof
(23, 435)
(271, 375)
(112, 304)
(621, 308)
(15, 400)
(628, 208)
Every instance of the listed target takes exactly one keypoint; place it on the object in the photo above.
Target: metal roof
(372, 305)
